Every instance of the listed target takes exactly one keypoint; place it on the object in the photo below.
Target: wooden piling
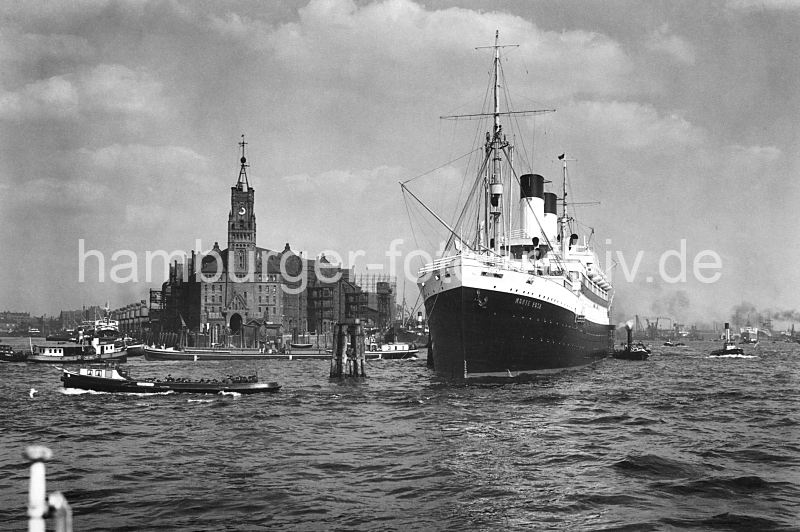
(348, 356)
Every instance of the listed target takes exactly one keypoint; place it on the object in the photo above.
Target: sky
(120, 123)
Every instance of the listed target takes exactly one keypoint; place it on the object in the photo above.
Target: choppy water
(681, 441)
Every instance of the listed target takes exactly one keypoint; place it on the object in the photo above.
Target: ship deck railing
(503, 263)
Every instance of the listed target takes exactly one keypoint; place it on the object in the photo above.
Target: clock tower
(242, 222)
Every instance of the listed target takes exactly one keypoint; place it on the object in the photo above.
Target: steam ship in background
(515, 293)
(748, 334)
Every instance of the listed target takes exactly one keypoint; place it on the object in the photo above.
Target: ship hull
(480, 334)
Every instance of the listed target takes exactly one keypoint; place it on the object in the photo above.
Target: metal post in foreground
(38, 505)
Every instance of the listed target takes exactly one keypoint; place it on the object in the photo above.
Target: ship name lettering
(527, 303)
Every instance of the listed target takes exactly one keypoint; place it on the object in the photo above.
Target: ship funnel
(531, 205)
(550, 224)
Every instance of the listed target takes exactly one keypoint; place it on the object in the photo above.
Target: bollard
(37, 504)
(62, 512)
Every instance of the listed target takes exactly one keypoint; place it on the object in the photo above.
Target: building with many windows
(225, 290)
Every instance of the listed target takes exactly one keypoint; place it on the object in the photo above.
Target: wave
(650, 465)
(725, 487)
(729, 521)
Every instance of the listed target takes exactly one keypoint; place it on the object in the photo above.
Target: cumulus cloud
(661, 40)
(148, 165)
(634, 125)
(117, 88)
(104, 88)
(397, 47)
(56, 97)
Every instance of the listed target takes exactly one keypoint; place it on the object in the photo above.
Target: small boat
(298, 345)
(69, 352)
(729, 347)
(632, 352)
(7, 354)
(196, 354)
(110, 378)
(135, 350)
(391, 350)
(67, 335)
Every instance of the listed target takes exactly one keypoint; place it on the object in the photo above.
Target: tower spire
(243, 170)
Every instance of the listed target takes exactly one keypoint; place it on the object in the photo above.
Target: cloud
(92, 182)
(759, 5)
(395, 47)
(346, 182)
(56, 97)
(113, 89)
(142, 167)
(633, 125)
(19, 49)
(117, 88)
(676, 47)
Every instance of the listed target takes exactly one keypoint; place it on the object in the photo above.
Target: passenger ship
(521, 295)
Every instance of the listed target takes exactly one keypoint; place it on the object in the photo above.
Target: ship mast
(564, 233)
(495, 143)
(491, 174)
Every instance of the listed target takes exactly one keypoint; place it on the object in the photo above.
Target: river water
(680, 441)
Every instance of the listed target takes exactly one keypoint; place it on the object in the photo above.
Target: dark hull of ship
(100, 384)
(135, 350)
(488, 335)
(631, 354)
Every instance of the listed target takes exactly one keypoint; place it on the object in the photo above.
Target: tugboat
(632, 352)
(94, 341)
(68, 352)
(729, 347)
(391, 350)
(7, 354)
(515, 293)
(111, 378)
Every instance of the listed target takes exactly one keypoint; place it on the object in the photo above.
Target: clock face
(242, 210)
